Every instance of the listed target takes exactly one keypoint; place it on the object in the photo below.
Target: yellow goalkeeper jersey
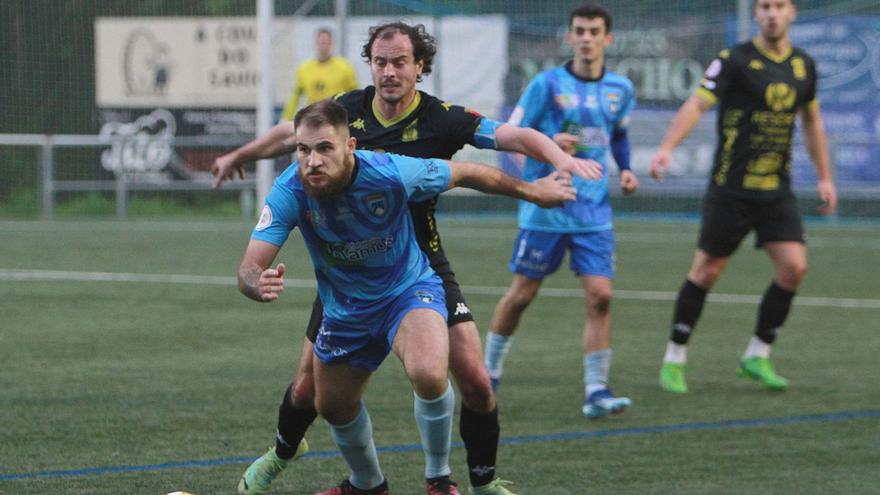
(319, 80)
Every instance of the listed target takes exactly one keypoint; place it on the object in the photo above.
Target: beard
(332, 187)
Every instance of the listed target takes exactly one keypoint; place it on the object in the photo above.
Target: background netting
(104, 99)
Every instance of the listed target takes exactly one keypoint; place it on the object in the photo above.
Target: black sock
(292, 425)
(774, 309)
(688, 307)
(480, 434)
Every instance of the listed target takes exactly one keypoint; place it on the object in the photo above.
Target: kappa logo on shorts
(461, 309)
(425, 296)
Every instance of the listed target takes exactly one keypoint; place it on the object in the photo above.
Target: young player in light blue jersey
(585, 109)
(379, 292)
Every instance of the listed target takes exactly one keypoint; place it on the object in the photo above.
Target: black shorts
(455, 304)
(728, 219)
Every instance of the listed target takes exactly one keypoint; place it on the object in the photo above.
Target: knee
(303, 391)
(476, 391)
(519, 300)
(792, 274)
(705, 276)
(599, 301)
(429, 383)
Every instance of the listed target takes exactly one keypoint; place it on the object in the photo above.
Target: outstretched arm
(256, 277)
(279, 140)
(530, 142)
(817, 146)
(682, 125)
(547, 192)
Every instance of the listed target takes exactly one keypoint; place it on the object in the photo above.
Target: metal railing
(125, 182)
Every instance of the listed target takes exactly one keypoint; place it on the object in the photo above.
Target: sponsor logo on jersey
(353, 253)
(358, 124)
(780, 96)
(461, 309)
(425, 296)
(714, 69)
(798, 68)
(265, 218)
(410, 132)
(376, 204)
(756, 64)
(567, 101)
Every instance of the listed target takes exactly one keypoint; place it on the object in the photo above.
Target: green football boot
(495, 487)
(672, 378)
(260, 474)
(761, 370)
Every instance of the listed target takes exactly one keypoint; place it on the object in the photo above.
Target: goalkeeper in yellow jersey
(320, 77)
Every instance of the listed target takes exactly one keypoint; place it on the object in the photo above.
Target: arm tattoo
(248, 281)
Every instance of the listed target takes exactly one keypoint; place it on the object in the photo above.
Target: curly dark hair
(424, 45)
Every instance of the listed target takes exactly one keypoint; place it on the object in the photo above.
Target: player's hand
(660, 164)
(566, 141)
(552, 190)
(828, 195)
(225, 167)
(628, 181)
(582, 167)
(271, 283)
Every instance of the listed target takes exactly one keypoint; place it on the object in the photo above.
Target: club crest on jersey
(567, 101)
(425, 296)
(411, 132)
(613, 100)
(377, 204)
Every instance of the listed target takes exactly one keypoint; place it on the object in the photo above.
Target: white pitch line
(638, 295)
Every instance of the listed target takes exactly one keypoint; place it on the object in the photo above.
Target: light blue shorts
(537, 254)
(366, 344)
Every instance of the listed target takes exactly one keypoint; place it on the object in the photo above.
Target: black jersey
(760, 95)
(429, 128)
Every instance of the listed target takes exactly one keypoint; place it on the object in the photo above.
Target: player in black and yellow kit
(761, 86)
(394, 116)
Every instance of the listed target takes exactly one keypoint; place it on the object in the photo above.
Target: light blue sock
(497, 347)
(434, 419)
(355, 441)
(597, 365)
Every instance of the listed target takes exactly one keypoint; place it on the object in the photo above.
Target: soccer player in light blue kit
(378, 290)
(585, 109)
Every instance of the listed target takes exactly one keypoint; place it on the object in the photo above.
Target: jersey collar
(569, 67)
(404, 114)
(772, 56)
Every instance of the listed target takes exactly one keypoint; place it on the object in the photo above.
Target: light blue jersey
(361, 241)
(558, 101)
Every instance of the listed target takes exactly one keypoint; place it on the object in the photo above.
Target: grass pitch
(161, 377)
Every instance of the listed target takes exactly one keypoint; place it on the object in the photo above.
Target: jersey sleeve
(716, 80)
(279, 216)
(423, 178)
(531, 105)
(812, 96)
(626, 107)
(462, 125)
